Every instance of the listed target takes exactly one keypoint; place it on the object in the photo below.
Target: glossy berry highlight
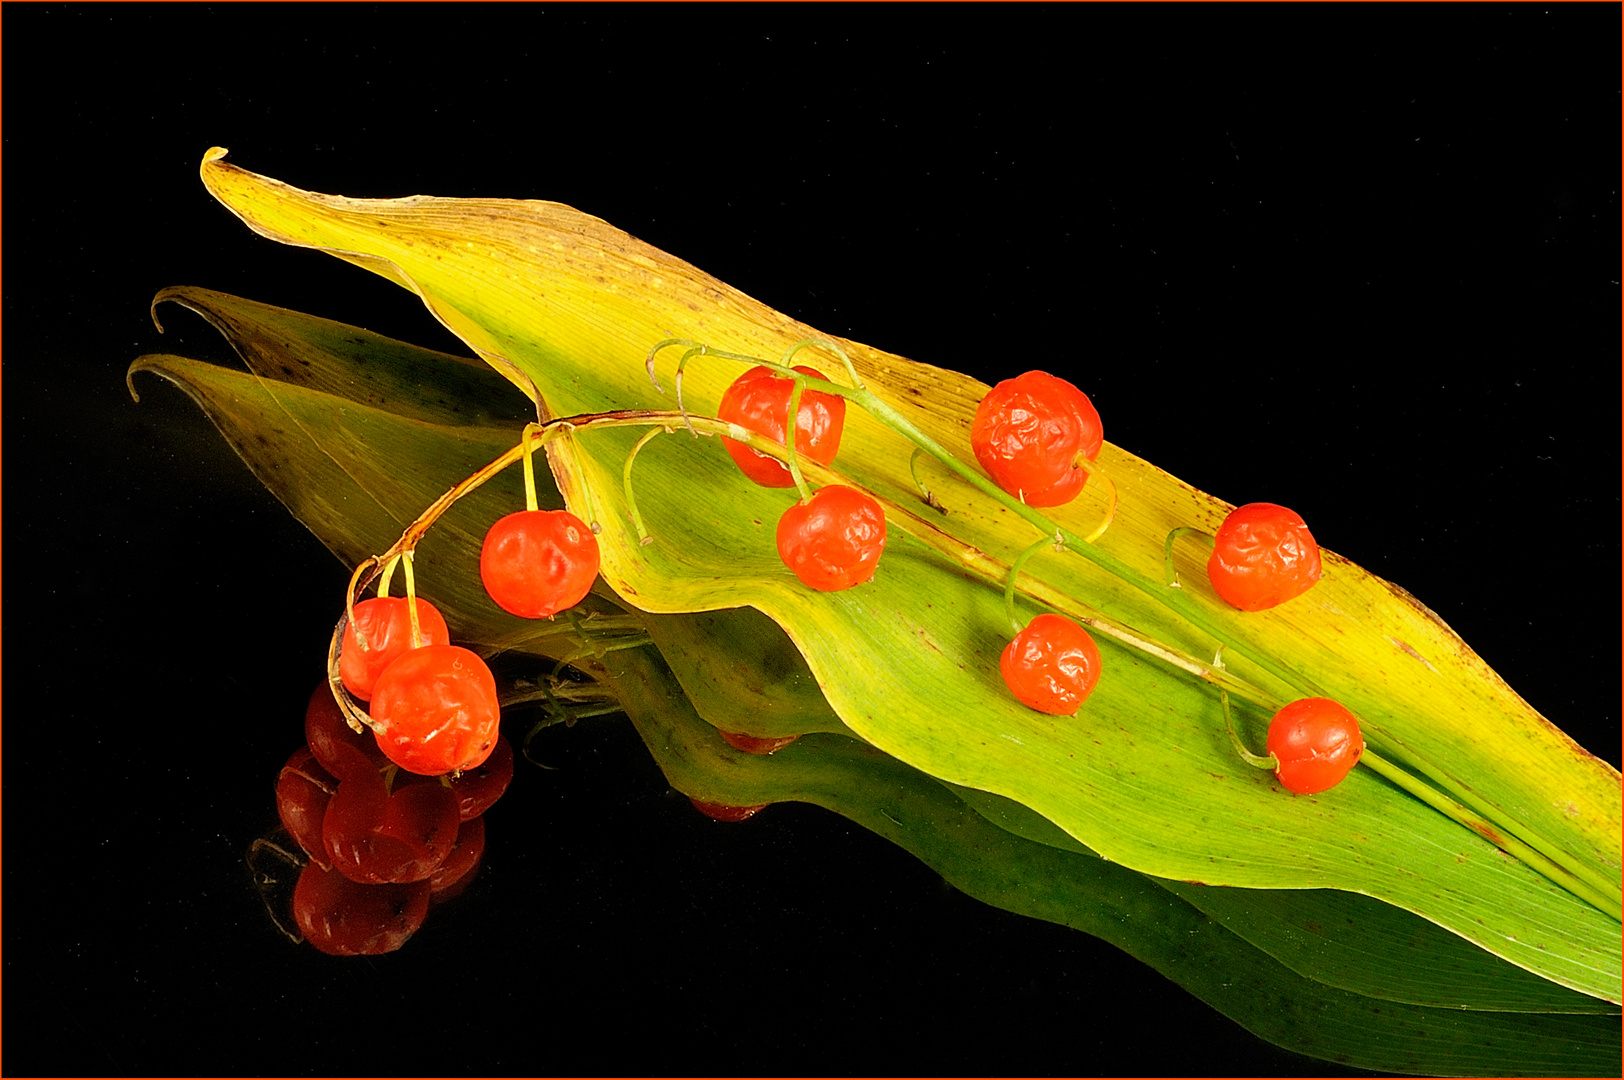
(1262, 556)
(759, 401)
(435, 710)
(1030, 431)
(1051, 666)
(536, 563)
(1316, 742)
(833, 540)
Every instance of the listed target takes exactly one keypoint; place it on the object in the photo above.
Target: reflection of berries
(758, 401)
(343, 918)
(752, 744)
(385, 622)
(340, 749)
(463, 860)
(478, 789)
(435, 711)
(726, 813)
(535, 563)
(377, 836)
(1029, 432)
(303, 790)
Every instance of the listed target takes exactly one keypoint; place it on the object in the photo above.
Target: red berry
(759, 401)
(1263, 555)
(752, 744)
(834, 539)
(377, 836)
(385, 624)
(343, 918)
(727, 813)
(341, 749)
(1316, 742)
(538, 562)
(1052, 665)
(1028, 433)
(435, 710)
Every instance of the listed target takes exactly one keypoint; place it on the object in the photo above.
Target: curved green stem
(643, 538)
(1170, 577)
(1015, 572)
(1267, 761)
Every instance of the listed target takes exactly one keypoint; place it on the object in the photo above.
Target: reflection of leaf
(318, 449)
(567, 306)
(1159, 922)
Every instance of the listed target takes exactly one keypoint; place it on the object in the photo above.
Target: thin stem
(1578, 884)
(789, 437)
(924, 492)
(643, 538)
(1015, 572)
(529, 467)
(411, 600)
(1170, 576)
(1265, 762)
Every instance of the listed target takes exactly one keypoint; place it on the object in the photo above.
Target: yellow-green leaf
(567, 307)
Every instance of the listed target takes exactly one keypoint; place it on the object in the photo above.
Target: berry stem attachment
(529, 467)
(789, 438)
(924, 492)
(1268, 761)
(1169, 575)
(411, 600)
(1058, 543)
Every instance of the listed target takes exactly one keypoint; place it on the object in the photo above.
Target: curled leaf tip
(214, 153)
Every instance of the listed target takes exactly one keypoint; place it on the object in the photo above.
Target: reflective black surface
(1363, 262)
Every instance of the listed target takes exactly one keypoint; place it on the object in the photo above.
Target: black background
(1360, 261)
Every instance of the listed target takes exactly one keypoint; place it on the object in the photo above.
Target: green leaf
(1161, 923)
(567, 307)
(303, 441)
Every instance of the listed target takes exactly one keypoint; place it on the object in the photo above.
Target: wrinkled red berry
(758, 400)
(536, 563)
(1316, 742)
(1052, 665)
(1029, 432)
(381, 631)
(341, 917)
(1262, 556)
(435, 710)
(833, 540)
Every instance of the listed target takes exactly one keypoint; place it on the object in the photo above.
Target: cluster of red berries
(1033, 434)
(384, 843)
(832, 540)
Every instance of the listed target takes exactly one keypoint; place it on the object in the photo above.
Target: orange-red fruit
(536, 563)
(833, 540)
(1316, 743)
(1263, 555)
(1052, 665)
(1029, 432)
(385, 622)
(435, 710)
(759, 401)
